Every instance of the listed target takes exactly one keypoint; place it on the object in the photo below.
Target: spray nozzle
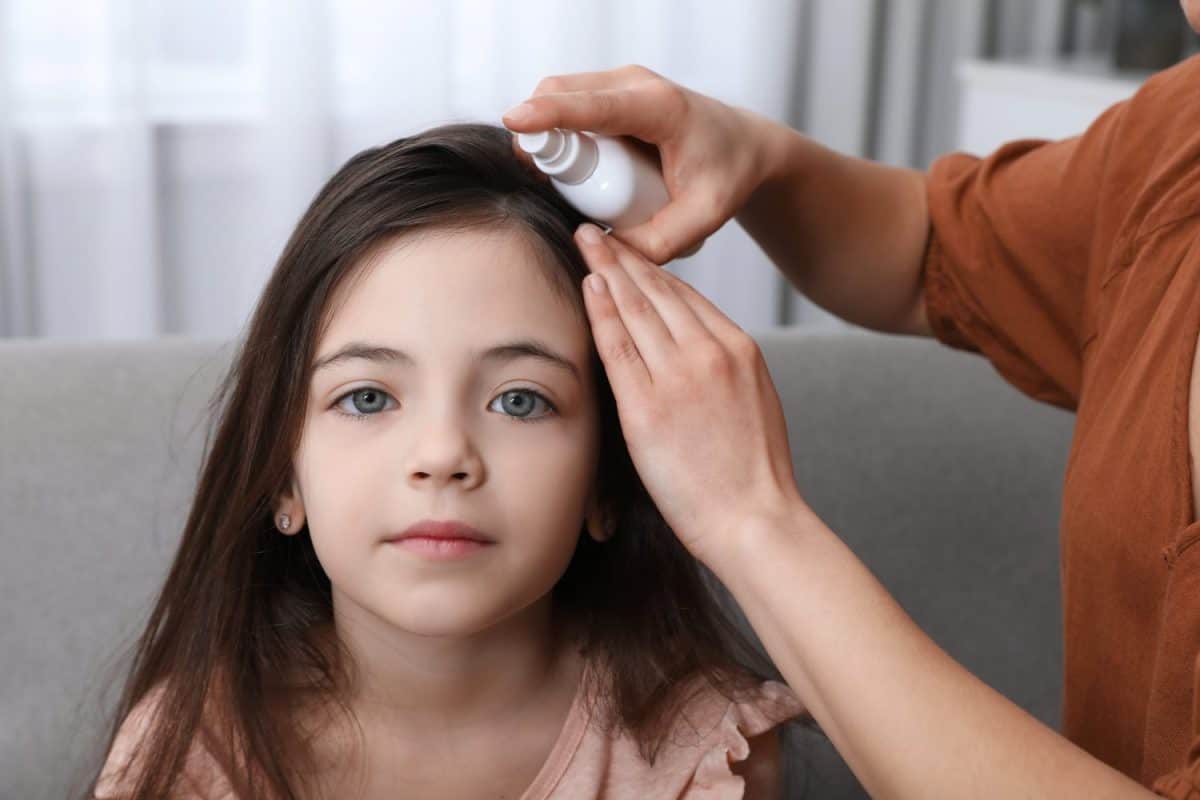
(570, 156)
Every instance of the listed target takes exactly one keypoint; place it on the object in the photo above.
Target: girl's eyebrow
(499, 353)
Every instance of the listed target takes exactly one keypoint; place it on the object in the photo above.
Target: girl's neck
(440, 713)
(416, 685)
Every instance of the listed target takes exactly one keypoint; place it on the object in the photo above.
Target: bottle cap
(570, 156)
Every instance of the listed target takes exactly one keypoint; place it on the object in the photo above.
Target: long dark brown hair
(241, 601)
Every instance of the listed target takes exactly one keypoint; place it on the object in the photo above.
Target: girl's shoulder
(126, 760)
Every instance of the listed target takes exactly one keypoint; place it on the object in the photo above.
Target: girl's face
(456, 428)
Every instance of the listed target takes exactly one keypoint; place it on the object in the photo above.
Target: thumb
(679, 228)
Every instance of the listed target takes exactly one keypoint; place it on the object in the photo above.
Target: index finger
(604, 79)
(715, 320)
(623, 362)
(637, 111)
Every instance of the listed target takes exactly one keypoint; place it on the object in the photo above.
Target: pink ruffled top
(693, 762)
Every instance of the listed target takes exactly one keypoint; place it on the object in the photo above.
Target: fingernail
(596, 283)
(589, 233)
(519, 113)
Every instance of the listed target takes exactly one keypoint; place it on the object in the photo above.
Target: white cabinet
(1004, 101)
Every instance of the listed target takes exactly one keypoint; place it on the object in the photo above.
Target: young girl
(419, 562)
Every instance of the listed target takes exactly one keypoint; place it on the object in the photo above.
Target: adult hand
(700, 414)
(713, 155)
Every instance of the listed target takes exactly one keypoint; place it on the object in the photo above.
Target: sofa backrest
(943, 478)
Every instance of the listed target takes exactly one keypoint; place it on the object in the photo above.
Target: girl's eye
(517, 403)
(371, 398)
(520, 401)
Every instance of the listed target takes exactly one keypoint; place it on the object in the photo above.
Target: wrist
(777, 151)
(740, 546)
(791, 194)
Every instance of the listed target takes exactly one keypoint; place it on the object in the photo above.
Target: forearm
(909, 720)
(848, 233)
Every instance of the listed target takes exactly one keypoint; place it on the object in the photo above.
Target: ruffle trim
(765, 707)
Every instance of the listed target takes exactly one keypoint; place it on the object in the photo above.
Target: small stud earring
(285, 522)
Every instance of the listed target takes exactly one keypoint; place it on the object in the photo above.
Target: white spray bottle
(605, 177)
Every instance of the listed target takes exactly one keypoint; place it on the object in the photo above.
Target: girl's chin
(459, 620)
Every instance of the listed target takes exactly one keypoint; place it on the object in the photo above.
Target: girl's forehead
(485, 265)
(465, 287)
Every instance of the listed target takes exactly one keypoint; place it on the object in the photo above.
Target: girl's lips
(440, 548)
(442, 529)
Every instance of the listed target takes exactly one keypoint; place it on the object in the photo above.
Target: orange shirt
(1074, 267)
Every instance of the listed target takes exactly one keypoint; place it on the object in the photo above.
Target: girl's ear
(289, 511)
(600, 524)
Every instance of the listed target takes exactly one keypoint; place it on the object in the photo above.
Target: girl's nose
(443, 454)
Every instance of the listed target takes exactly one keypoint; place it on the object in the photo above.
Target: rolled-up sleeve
(1017, 243)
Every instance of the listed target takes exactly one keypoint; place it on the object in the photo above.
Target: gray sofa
(943, 478)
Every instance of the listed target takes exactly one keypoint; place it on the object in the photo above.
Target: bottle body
(625, 188)
(607, 178)
(604, 177)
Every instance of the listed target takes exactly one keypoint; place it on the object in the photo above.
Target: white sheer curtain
(154, 156)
